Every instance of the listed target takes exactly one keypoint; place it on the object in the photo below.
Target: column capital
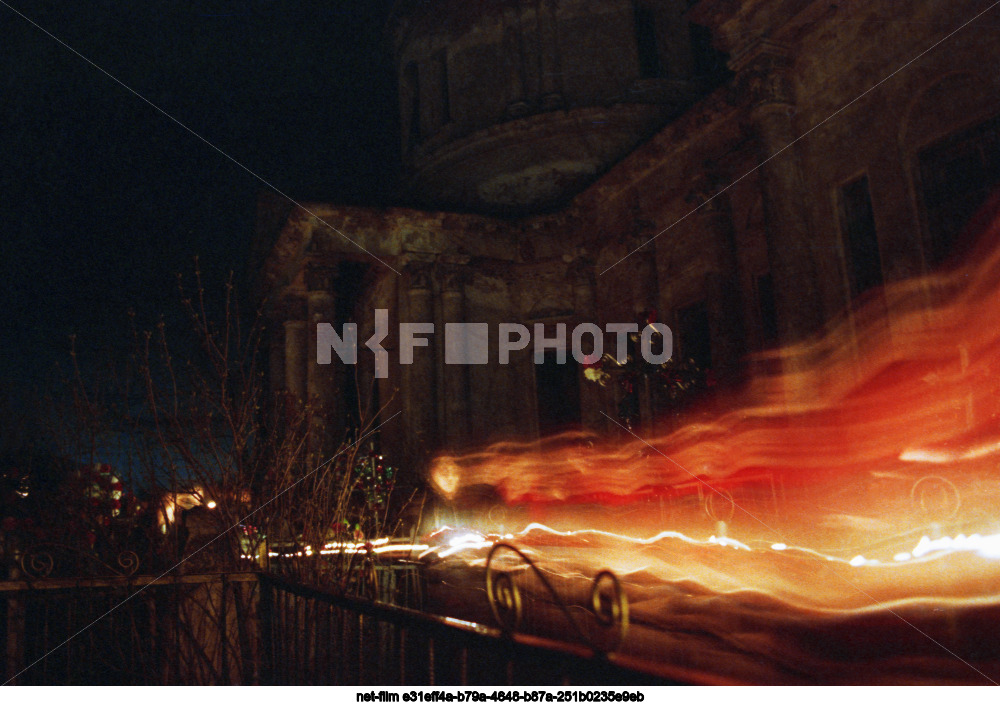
(417, 267)
(707, 195)
(643, 240)
(290, 307)
(420, 274)
(764, 75)
(319, 276)
(453, 278)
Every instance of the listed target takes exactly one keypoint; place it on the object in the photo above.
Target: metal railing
(251, 628)
(198, 629)
(312, 637)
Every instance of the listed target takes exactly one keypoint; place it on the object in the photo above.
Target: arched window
(957, 174)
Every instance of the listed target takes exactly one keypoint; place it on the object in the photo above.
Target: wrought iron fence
(251, 628)
(312, 637)
(198, 629)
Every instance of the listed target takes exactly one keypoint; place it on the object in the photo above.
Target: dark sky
(104, 199)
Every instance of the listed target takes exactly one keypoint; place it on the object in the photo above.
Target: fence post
(224, 634)
(15, 638)
(266, 621)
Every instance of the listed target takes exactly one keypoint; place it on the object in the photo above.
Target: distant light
(401, 548)
(727, 542)
(987, 547)
(210, 504)
(469, 538)
(455, 548)
(463, 623)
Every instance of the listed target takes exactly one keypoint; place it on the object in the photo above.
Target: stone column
(725, 306)
(646, 294)
(550, 78)
(296, 347)
(645, 286)
(420, 401)
(764, 78)
(592, 395)
(456, 377)
(323, 386)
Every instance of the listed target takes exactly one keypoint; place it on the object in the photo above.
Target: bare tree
(213, 433)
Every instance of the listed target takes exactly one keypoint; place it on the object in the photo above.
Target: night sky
(104, 199)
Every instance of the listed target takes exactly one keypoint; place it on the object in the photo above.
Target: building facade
(738, 166)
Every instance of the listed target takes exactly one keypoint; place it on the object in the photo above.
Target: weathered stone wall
(513, 106)
(804, 73)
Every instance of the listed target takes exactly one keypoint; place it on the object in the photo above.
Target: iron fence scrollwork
(608, 601)
(40, 561)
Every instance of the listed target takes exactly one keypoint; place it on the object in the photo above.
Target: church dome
(514, 106)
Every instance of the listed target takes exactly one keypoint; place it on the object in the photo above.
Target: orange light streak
(875, 455)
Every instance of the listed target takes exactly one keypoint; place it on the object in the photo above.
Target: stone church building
(738, 166)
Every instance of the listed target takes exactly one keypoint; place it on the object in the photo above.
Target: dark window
(349, 284)
(861, 240)
(558, 389)
(956, 176)
(767, 310)
(645, 39)
(412, 80)
(444, 100)
(695, 334)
